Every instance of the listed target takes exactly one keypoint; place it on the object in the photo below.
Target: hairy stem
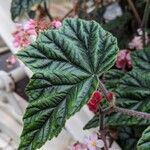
(101, 119)
(47, 11)
(102, 116)
(132, 113)
(122, 110)
(103, 88)
(108, 110)
(101, 127)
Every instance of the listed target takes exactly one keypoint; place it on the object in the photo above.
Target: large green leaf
(67, 63)
(144, 142)
(19, 7)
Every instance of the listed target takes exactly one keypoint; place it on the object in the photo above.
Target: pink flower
(56, 24)
(93, 142)
(94, 101)
(27, 33)
(137, 42)
(36, 26)
(11, 60)
(30, 27)
(124, 60)
(78, 146)
(21, 37)
(129, 61)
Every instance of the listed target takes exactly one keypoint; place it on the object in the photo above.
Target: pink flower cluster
(27, 33)
(124, 60)
(21, 37)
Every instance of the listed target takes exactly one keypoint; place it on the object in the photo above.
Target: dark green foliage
(129, 136)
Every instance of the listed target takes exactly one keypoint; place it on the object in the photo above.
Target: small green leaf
(144, 142)
(19, 7)
(66, 65)
(93, 123)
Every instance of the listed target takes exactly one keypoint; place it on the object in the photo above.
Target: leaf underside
(66, 64)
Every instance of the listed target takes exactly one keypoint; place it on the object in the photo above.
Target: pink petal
(90, 147)
(56, 24)
(93, 137)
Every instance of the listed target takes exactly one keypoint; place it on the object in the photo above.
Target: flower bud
(94, 101)
(109, 96)
(92, 107)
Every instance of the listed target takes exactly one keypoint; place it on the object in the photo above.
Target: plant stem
(101, 127)
(122, 110)
(132, 113)
(102, 116)
(135, 12)
(145, 20)
(103, 88)
(47, 12)
(101, 119)
(108, 110)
